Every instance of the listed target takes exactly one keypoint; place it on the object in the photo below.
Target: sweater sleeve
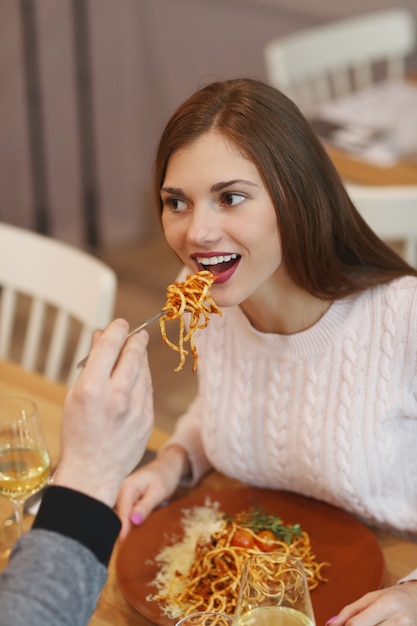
(411, 576)
(188, 435)
(58, 569)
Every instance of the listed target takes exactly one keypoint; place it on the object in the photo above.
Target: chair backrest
(331, 60)
(391, 211)
(53, 296)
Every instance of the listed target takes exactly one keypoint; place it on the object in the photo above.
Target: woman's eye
(232, 199)
(175, 204)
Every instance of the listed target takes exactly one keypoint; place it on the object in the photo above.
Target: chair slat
(341, 82)
(322, 89)
(7, 315)
(395, 68)
(33, 334)
(362, 76)
(58, 345)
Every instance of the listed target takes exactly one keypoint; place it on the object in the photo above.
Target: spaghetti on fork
(191, 296)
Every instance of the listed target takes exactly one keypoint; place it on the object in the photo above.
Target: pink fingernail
(136, 519)
(331, 620)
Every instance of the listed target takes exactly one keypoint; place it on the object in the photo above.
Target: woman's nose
(203, 227)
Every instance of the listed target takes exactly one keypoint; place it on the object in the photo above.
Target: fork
(132, 332)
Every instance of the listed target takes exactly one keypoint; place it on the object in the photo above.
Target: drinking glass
(24, 459)
(274, 592)
(206, 618)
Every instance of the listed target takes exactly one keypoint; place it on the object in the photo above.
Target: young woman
(308, 382)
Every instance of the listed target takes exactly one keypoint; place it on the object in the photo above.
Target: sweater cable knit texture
(330, 412)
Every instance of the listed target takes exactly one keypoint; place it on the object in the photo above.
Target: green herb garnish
(258, 519)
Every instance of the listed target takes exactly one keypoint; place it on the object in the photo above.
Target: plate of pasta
(188, 555)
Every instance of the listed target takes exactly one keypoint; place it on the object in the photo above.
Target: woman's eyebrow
(173, 190)
(216, 187)
(228, 183)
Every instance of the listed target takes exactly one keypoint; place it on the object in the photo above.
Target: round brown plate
(357, 564)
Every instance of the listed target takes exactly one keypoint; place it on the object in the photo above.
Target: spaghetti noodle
(193, 297)
(210, 580)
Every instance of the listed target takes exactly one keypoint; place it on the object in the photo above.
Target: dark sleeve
(76, 515)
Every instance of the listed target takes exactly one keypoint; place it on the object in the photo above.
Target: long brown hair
(327, 247)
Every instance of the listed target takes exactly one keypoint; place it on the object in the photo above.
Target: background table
(358, 171)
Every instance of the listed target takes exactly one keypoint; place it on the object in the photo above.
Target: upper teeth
(214, 260)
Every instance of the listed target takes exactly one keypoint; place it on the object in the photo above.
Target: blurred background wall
(87, 85)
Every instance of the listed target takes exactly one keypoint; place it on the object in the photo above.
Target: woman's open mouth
(220, 265)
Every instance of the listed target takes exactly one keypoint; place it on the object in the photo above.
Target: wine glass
(206, 618)
(25, 464)
(274, 592)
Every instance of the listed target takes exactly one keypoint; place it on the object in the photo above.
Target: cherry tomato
(242, 539)
(267, 541)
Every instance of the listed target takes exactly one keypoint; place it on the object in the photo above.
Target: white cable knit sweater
(330, 412)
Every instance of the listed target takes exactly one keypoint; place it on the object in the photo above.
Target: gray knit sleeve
(50, 580)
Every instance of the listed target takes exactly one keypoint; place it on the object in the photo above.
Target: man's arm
(57, 570)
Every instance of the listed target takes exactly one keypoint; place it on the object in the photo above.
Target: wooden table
(400, 556)
(357, 171)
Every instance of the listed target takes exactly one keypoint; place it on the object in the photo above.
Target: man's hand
(108, 415)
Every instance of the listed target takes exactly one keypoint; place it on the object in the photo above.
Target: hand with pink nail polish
(150, 486)
(136, 518)
(389, 607)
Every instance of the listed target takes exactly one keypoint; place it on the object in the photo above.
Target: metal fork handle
(132, 332)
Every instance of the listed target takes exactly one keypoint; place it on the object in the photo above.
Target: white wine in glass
(274, 592)
(25, 464)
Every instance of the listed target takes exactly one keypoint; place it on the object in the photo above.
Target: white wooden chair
(329, 61)
(391, 211)
(53, 296)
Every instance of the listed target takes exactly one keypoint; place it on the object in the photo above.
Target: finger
(358, 610)
(142, 392)
(106, 348)
(138, 497)
(127, 498)
(153, 497)
(132, 390)
(96, 337)
(132, 359)
(138, 515)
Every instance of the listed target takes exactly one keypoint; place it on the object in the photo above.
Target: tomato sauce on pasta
(191, 296)
(208, 580)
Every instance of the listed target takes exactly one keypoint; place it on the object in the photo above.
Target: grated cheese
(175, 560)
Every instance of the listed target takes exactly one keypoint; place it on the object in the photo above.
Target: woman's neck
(284, 309)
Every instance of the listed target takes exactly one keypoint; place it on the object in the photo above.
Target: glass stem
(18, 514)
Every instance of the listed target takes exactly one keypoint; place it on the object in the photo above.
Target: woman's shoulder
(396, 301)
(404, 287)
